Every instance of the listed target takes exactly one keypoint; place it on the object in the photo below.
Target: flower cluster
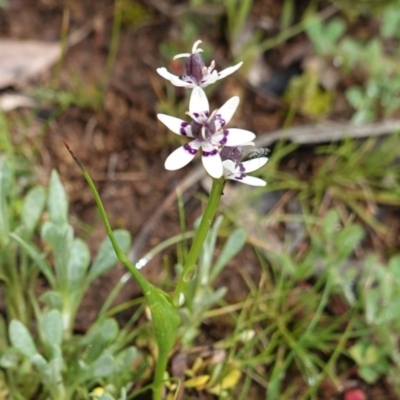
(221, 147)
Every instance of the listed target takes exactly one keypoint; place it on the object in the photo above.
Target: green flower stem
(165, 319)
(201, 233)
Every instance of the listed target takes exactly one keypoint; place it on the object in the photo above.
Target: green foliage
(248, 48)
(305, 94)
(42, 353)
(133, 13)
(377, 294)
(64, 367)
(379, 94)
(286, 325)
(300, 329)
(294, 318)
(200, 296)
(71, 277)
(164, 315)
(364, 6)
(288, 13)
(237, 14)
(351, 172)
(325, 35)
(79, 94)
(381, 294)
(390, 27)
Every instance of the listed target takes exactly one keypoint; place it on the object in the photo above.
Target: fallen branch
(328, 132)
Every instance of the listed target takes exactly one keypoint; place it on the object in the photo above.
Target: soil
(121, 143)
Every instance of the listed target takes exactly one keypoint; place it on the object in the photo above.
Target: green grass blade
(165, 318)
(37, 257)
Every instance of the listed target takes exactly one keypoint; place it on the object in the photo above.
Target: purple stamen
(194, 67)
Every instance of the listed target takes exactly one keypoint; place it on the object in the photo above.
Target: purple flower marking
(209, 153)
(190, 149)
(182, 131)
(236, 170)
(207, 132)
(196, 73)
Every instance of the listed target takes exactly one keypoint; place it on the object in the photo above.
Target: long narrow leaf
(232, 246)
(4, 192)
(165, 318)
(106, 257)
(37, 257)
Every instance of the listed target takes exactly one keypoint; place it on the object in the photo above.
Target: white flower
(208, 131)
(238, 173)
(196, 73)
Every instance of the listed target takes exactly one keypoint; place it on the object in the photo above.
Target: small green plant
(351, 173)
(305, 94)
(221, 156)
(40, 339)
(42, 344)
(292, 326)
(78, 95)
(286, 324)
(200, 292)
(378, 95)
(359, 7)
(247, 47)
(299, 321)
(378, 291)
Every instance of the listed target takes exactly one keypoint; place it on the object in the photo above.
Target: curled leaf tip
(67, 146)
(73, 155)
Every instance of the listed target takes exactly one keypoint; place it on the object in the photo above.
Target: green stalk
(201, 233)
(112, 55)
(165, 318)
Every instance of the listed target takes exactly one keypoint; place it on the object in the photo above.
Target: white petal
(229, 167)
(252, 165)
(211, 161)
(181, 55)
(175, 80)
(211, 78)
(176, 125)
(229, 70)
(248, 180)
(164, 73)
(225, 113)
(249, 144)
(182, 156)
(238, 137)
(198, 101)
(195, 45)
